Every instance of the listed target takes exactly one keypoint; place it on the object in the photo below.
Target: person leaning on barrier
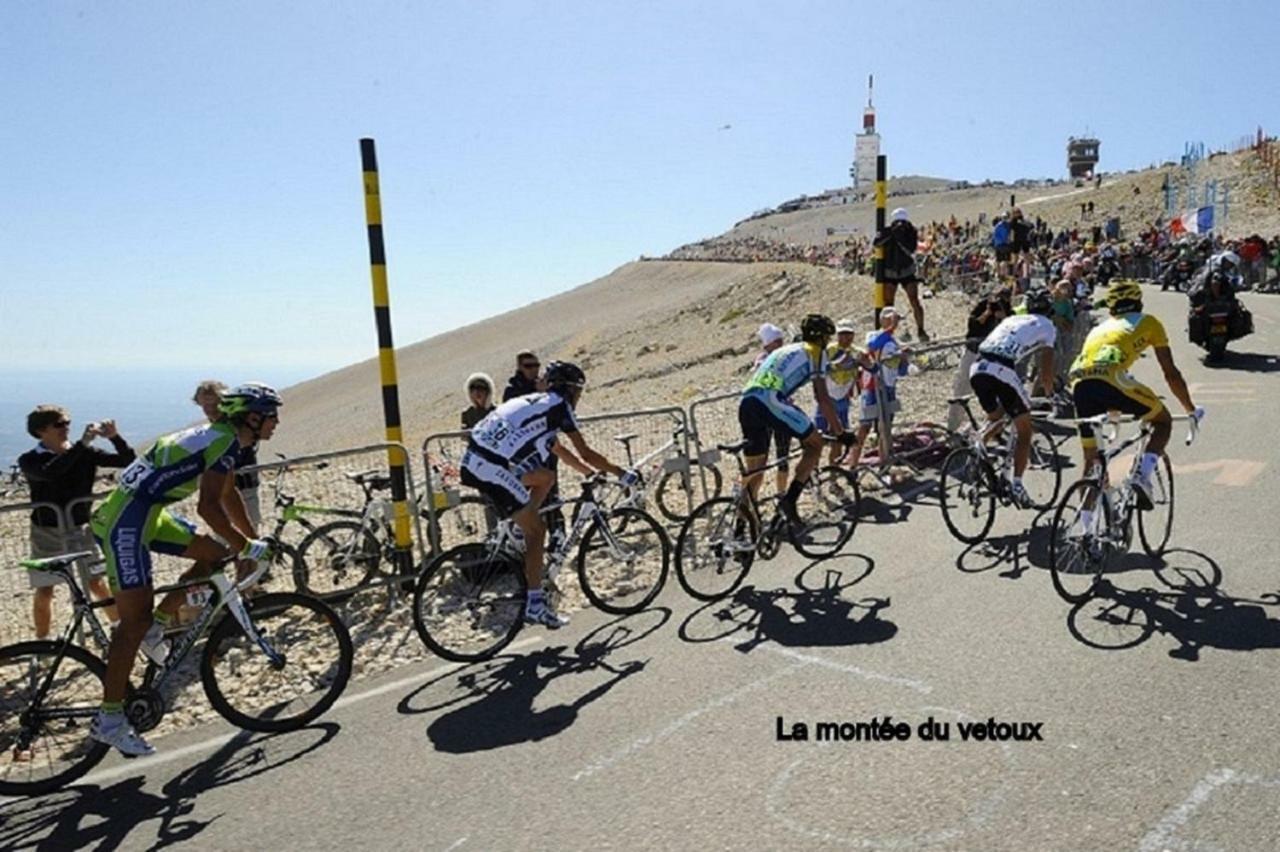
(62, 473)
(480, 393)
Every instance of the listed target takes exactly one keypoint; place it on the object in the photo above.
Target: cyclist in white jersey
(507, 460)
(995, 380)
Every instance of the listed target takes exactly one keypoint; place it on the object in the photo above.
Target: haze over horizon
(186, 188)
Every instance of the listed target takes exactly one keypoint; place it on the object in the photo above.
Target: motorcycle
(1177, 276)
(1215, 323)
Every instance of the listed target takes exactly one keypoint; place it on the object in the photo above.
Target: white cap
(845, 325)
(899, 214)
(770, 333)
(890, 311)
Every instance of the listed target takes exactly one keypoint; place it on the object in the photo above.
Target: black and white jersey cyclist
(508, 461)
(994, 375)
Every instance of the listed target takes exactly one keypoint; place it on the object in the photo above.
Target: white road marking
(641, 743)
(812, 659)
(456, 844)
(1158, 838)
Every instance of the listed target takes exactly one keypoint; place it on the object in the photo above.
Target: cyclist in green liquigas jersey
(133, 522)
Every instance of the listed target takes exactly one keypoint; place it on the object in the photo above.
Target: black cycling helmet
(815, 328)
(562, 374)
(1039, 301)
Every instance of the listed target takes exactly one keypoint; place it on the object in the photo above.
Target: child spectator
(480, 393)
(886, 361)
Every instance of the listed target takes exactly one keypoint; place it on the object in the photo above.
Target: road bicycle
(342, 556)
(1095, 521)
(272, 663)
(669, 474)
(722, 537)
(469, 601)
(978, 473)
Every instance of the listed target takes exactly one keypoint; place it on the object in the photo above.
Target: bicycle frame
(586, 510)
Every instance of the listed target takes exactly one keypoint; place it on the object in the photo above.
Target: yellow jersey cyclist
(766, 406)
(134, 521)
(1100, 379)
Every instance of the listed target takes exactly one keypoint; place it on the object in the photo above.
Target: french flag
(1193, 222)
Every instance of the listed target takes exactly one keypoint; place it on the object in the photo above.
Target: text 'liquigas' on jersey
(171, 469)
(788, 368)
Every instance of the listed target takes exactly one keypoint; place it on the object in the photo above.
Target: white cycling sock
(1148, 464)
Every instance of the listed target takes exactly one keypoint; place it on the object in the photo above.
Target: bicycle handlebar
(262, 564)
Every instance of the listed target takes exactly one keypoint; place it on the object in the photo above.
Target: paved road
(1156, 714)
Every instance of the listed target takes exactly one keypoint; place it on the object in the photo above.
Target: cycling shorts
(763, 413)
(998, 386)
(129, 531)
(495, 481)
(1121, 392)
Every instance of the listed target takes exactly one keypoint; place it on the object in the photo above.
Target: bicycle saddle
(374, 479)
(735, 448)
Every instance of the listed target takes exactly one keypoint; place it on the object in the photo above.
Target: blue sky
(182, 185)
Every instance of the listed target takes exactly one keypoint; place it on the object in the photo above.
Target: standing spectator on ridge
(525, 380)
(62, 473)
(900, 242)
(1002, 242)
(480, 393)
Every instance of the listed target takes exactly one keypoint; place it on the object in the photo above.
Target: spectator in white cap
(771, 337)
(899, 241)
(844, 359)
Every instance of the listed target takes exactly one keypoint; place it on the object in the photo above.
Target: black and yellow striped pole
(386, 353)
(882, 164)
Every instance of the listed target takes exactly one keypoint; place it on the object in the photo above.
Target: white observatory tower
(866, 146)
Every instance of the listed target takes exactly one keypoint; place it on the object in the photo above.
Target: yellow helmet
(1122, 296)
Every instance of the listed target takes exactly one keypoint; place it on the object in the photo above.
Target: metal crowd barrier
(15, 589)
(456, 514)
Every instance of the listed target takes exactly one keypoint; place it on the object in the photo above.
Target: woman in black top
(62, 474)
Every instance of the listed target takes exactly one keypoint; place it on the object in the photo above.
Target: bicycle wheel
(1043, 476)
(677, 487)
(715, 548)
(622, 570)
(968, 503)
(1155, 524)
(469, 602)
(472, 519)
(1079, 544)
(336, 559)
(314, 655)
(46, 748)
(829, 507)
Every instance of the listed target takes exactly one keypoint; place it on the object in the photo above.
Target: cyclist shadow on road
(1249, 362)
(1015, 553)
(1191, 610)
(816, 616)
(109, 816)
(493, 701)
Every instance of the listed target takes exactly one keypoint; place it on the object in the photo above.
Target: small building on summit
(1082, 156)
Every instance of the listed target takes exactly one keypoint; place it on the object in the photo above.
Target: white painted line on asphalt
(1158, 838)
(456, 844)
(132, 767)
(812, 659)
(640, 743)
